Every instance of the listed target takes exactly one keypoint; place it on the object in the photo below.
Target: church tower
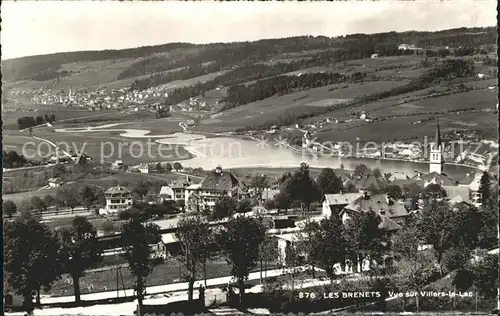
(436, 155)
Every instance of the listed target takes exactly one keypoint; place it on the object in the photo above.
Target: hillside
(396, 78)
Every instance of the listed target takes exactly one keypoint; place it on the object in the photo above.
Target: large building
(218, 183)
(118, 198)
(436, 154)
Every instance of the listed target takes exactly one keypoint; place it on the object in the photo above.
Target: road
(159, 289)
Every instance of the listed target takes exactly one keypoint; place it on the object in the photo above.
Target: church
(464, 190)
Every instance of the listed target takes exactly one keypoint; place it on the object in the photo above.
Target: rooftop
(118, 190)
(341, 199)
(221, 180)
(377, 203)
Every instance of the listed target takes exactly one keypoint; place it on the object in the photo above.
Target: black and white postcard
(250, 158)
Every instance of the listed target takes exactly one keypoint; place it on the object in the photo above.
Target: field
(166, 273)
(11, 115)
(400, 128)
(108, 146)
(479, 99)
(18, 198)
(300, 102)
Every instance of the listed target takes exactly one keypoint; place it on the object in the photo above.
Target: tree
(87, 196)
(31, 257)
(177, 166)
(9, 208)
(328, 182)
(361, 170)
(411, 193)
(136, 240)
(168, 167)
(484, 188)
(194, 236)
(267, 252)
(301, 187)
(224, 207)
(67, 198)
(108, 227)
(377, 173)
(270, 204)
(483, 275)
(434, 191)
(80, 250)
(49, 200)
(141, 189)
(394, 191)
(159, 167)
(328, 245)
(244, 206)
(488, 235)
(38, 204)
(436, 227)
(366, 240)
(259, 182)
(240, 242)
(283, 200)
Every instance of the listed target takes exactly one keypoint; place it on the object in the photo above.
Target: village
(219, 198)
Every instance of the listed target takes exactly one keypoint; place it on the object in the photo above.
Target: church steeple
(436, 155)
(438, 136)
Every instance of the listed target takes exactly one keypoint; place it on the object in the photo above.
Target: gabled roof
(377, 203)
(444, 179)
(401, 183)
(398, 176)
(221, 181)
(388, 224)
(367, 182)
(117, 190)
(457, 193)
(341, 199)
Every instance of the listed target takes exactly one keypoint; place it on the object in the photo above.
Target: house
(118, 198)
(118, 165)
(392, 213)
(175, 191)
(335, 203)
(11, 300)
(55, 182)
(265, 183)
(269, 195)
(368, 183)
(218, 183)
(145, 168)
(289, 240)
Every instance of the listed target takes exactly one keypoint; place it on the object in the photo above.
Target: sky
(43, 27)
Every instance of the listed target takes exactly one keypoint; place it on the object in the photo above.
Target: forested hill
(176, 55)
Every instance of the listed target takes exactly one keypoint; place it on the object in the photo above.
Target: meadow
(402, 129)
(169, 272)
(297, 103)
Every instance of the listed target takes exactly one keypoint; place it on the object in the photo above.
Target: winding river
(238, 153)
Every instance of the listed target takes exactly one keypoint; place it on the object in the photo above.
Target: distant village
(121, 99)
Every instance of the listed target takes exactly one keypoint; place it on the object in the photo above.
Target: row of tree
(365, 45)
(444, 70)
(27, 67)
(159, 78)
(87, 196)
(12, 159)
(30, 121)
(242, 94)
